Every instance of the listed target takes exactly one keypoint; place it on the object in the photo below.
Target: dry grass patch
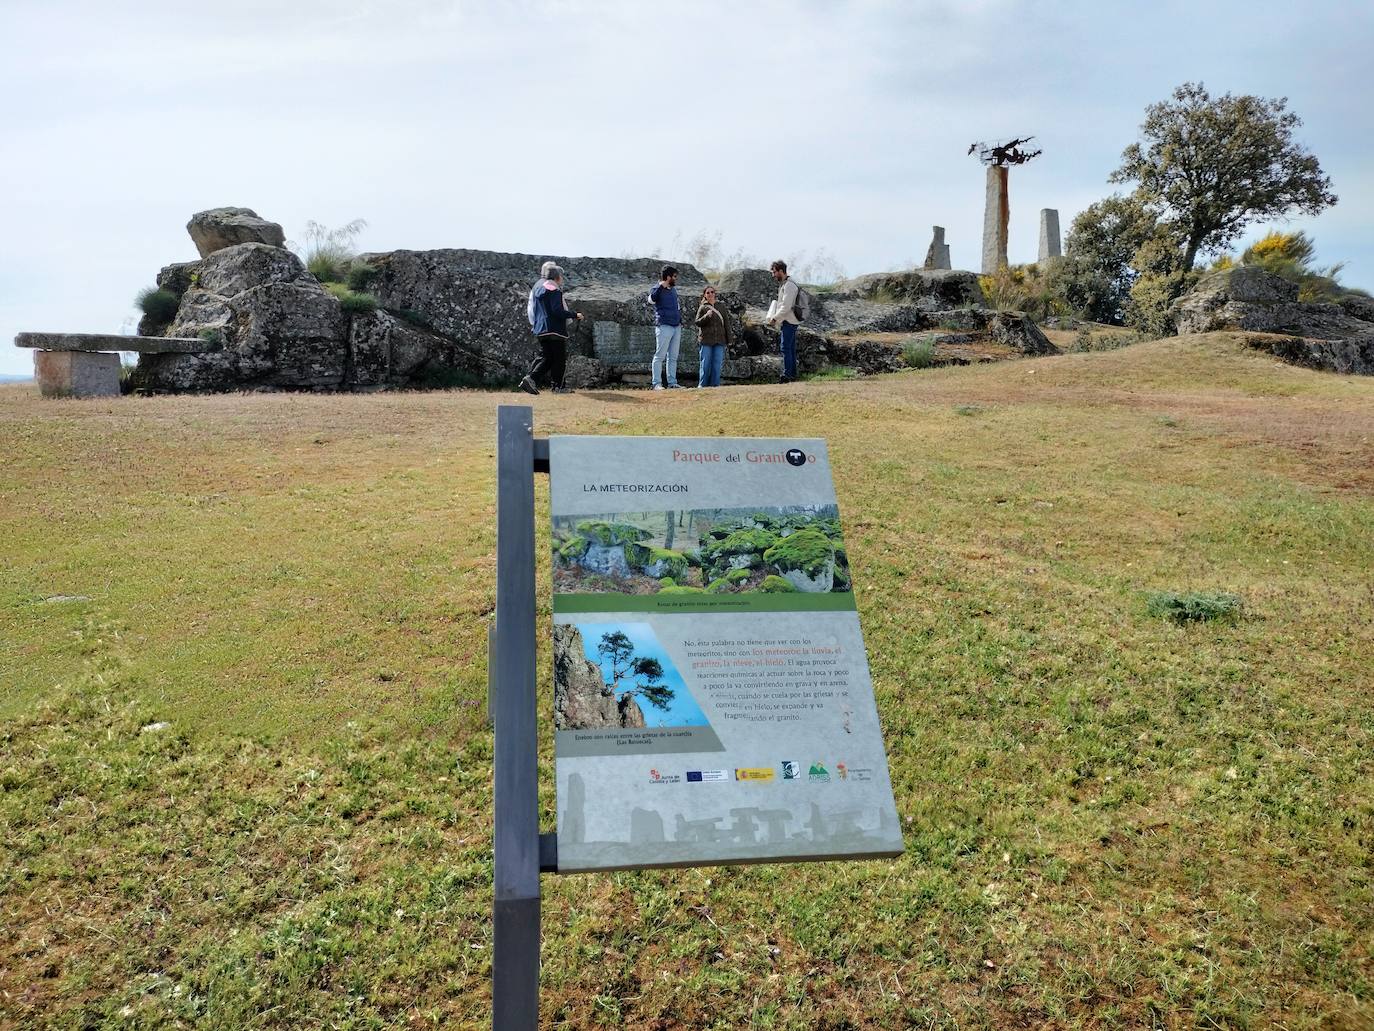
(1111, 820)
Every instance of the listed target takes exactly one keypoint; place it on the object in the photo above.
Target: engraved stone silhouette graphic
(698, 830)
(646, 827)
(744, 829)
(816, 825)
(846, 826)
(575, 816)
(776, 821)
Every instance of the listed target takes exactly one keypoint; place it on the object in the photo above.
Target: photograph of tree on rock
(617, 675)
(777, 550)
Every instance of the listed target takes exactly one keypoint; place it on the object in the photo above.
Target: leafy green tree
(1099, 267)
(640, 673)
(1209, 167)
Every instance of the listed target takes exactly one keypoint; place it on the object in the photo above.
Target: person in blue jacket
(667, 327)
(549, 315)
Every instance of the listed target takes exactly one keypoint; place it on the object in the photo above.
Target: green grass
(918, 354)
(350, 300)
(1112, 820)
(1194, 606)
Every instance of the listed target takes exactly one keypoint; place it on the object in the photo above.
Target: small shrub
(968, 409)
(360, 276)
(1194, 606)
(212, 335)
(415, 318)
(918, 354)
(1027, 288)
(326, 268)
(1153, 296)
(158, 304)
(126, 374)
(328, 253)
(352, 302)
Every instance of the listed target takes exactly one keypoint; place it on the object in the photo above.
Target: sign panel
(712, 699)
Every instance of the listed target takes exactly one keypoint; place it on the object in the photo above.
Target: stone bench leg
(76, 373)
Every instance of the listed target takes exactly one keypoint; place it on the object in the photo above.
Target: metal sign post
(808, 634)
(513, 708)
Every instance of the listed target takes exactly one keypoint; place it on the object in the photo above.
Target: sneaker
(658, 386)
(527, 385)
(673, 386)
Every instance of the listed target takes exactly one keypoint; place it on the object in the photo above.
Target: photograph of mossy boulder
(797, 548)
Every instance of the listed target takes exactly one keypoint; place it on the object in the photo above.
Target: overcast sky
(607, 128)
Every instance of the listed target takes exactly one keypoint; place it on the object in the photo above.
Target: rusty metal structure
(1003, 154)
(999, 157)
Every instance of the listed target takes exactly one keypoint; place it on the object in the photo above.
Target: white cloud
(605, 127)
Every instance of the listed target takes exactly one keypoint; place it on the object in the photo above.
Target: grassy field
(1112, 821)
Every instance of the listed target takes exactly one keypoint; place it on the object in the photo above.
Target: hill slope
(1111, 820)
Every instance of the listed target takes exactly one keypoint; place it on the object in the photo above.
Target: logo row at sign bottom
(789, 769)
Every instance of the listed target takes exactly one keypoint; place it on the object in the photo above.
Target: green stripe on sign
(837, 601)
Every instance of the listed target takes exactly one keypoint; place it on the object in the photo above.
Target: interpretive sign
(712, 700)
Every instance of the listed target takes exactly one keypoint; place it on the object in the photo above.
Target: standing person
(784, 317)
(667, 327)
(549, 315)
(715, 338)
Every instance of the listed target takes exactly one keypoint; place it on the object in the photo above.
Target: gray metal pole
(515, 911)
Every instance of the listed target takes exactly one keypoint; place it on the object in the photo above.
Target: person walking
(667, 328)
(783, 316)
(549, 315)
(715, 338)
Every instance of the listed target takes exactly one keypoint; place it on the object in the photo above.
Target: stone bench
(87, 364)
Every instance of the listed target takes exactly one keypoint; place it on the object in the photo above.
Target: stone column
(996, 214)
(1049, 234)
(76, 373)
(937, 255)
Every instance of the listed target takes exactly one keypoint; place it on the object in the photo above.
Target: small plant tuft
(1193, 606)
(158, 304)
(918, 354)
(360, 276)
(351, 301)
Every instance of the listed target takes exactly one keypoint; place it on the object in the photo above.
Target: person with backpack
(667, 327)
(548, 316)
(789, 310)
(714, 328)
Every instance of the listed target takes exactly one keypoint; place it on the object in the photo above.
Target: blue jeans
(789, 350)
(667, 339)
(712, 356)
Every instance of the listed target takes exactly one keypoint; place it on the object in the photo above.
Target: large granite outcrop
(1250, 298)
(219, 228)
(274, 323)
(478, 298)
(1352, 355)
(931, 289)
(458, 317)
(1336, 337)
(581, 697)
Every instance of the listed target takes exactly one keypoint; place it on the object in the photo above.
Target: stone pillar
(1049, 234)
(996, 214)
(937, 255)
(76, 373)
